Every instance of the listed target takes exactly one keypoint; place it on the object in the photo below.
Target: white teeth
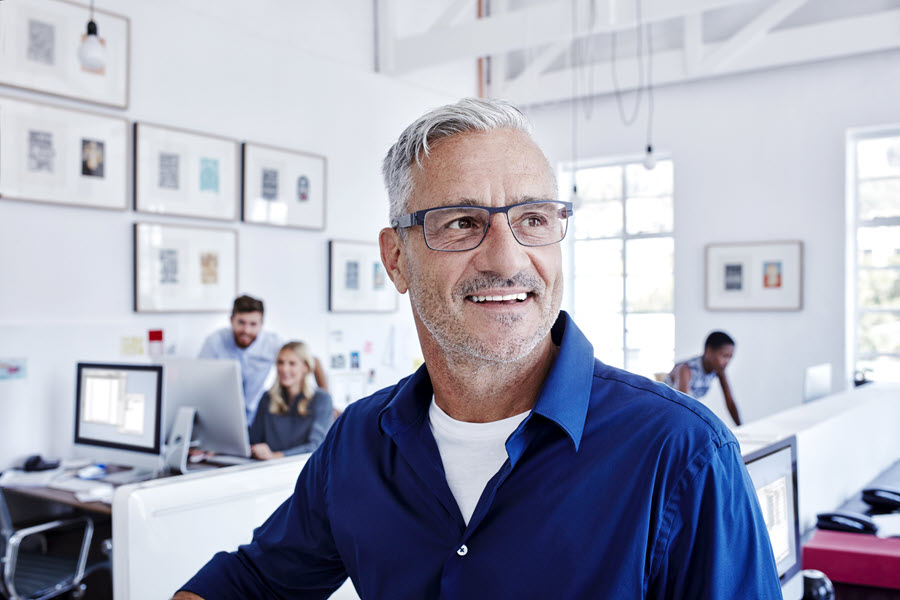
(506, 298)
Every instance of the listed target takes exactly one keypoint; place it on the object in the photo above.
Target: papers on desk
(888, 525)
(18, 478)
(86, 490)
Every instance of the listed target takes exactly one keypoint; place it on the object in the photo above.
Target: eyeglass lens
(456, 229)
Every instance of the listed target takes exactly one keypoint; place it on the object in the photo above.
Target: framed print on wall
(754, 276)
(62, 156)
(184, 173)
(357, 281)
(184, 269)
(283, 187)
(39, 42)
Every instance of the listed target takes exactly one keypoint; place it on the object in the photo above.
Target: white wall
(757, 157)
(291, 74)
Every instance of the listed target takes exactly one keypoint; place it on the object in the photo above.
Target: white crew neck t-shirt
(472, 453)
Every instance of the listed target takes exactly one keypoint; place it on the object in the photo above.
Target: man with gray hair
(513, 464)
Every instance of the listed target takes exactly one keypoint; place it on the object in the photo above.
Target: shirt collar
(563, 398)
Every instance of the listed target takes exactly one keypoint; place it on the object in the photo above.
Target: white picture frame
(754, 276)
(179, 268)
(282, 187)
(185, 173)
(63, 156)
(39, 42)
(357, 280)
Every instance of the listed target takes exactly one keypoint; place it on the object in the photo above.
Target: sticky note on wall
(13, 368)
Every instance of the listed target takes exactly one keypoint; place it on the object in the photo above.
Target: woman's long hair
(278, 405)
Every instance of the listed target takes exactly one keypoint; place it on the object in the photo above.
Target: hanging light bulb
(92, 52)
(649, 159)
(574, 198)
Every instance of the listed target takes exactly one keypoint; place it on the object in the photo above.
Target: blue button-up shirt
(615, 487)
(256, 361)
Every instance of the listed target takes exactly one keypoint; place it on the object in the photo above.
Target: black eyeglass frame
(418, 218)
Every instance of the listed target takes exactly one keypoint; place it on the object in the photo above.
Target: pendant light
(92, 53)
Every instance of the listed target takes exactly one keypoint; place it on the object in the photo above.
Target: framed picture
(357, 281)
(62, 156)
(39, 42)
(184, 173)
(184, 269)
(754, 276)
(283, 187)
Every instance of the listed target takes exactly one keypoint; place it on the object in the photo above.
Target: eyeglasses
(461, 228)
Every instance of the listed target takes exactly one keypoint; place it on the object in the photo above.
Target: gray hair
(469, 114)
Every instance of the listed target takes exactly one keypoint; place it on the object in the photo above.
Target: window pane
(879, 199)
(878, 157)
(879, 288)
(879, 333)
(883, 368)
(598, 278)
(650, 343)
(601, 218)
(600, 183)
(655, 182)
(649, 280)
(604, 331)
(878, 246)
(649, 215)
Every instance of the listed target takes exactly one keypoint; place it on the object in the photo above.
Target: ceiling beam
(693, 42)
(530, 27)
(750, 34)
(821, 41)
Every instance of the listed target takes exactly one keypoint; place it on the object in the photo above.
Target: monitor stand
(179, 443)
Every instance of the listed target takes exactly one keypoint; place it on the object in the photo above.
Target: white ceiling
(541, 51)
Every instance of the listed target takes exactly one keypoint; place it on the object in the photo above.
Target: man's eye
(461, 223)
(535, 220)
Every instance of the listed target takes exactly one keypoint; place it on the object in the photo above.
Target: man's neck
(479, 391)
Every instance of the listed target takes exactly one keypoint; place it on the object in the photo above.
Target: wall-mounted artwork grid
(283, 187)
(39, 42)
(754, 276)
(184, 269)
(62, 156)
(357, 281)
(184, 173)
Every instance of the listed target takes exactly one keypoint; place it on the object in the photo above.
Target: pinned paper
(132, 345)
(13, 368)
(155, 347)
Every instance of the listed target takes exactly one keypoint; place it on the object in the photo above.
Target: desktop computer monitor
(118, 414)
(773, 470)
(213, 389)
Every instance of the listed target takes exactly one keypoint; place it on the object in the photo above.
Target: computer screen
(119, 406)
(773, 470)
(213, 389)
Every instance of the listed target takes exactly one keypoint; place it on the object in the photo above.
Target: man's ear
(392, 258)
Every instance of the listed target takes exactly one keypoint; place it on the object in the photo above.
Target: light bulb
(574, 198)
(649, 159)
(92, 53)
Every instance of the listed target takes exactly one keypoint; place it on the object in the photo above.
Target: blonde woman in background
(293, 416)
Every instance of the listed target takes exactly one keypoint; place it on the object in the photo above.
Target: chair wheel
(78, 592)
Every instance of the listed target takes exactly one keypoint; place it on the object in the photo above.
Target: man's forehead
(463, 168)
(249, 316)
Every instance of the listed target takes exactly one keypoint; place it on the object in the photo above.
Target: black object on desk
(882, 498)
(36, 463)
(850, 522)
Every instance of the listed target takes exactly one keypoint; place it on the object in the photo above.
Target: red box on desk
(856, 558)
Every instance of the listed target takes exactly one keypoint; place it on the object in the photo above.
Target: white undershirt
(472, 453)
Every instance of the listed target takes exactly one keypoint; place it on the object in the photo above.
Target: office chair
(31, 575)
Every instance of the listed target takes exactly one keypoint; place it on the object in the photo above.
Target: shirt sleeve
(257, 428)
(292, 555)
(713, 542)
(323, 415)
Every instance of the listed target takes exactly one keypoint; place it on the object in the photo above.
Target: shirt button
(463, 550)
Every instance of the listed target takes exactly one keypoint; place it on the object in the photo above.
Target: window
(622, 263)
(875, 166)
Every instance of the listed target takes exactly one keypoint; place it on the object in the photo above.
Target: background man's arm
(729, 400)
(684, 379)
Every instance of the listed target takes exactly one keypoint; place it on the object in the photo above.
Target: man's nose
(499, 251)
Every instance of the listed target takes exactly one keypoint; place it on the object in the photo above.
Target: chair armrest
(15, 540)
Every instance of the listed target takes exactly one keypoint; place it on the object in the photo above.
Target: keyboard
(227, 460)
(75, 485)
